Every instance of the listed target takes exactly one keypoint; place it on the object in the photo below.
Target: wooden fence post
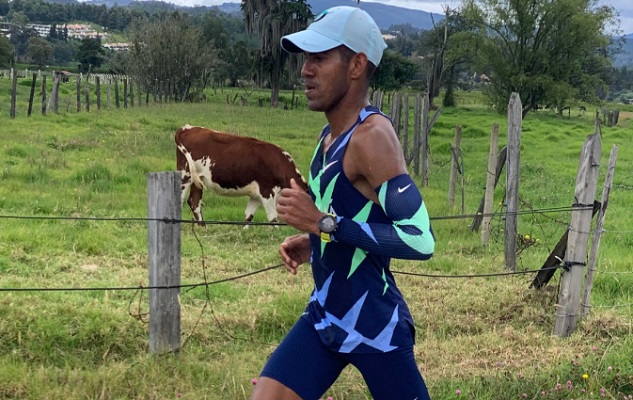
(512, 179)
(501, 161)
(87, 93)
(553, 261)
(414, 153)
(30, 109)
(98, 91)
(490, 184)
(427, 125)
(125, 92)
(405, 120)
(138, 92)
(108, 93)
(568, 307)
(116, 93)
(53, 101)
(131, 93)
(396, 105)
(14, 92)
(452, 182)
(595, 244)
(43, 94)
(79, 93)
(423, 150)
(163, 202)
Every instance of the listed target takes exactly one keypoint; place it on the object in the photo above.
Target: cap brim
(308, 41)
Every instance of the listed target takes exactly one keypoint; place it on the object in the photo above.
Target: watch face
(328, 224)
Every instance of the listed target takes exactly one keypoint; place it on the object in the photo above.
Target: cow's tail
(195, 178)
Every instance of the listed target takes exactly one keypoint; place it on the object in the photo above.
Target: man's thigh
(302, 364)
(392, 375)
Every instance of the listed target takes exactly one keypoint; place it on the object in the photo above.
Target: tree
(90, 53)
(171, 52)
(18, 18)
(545, 50)
(63, 52)
(4, 7)
(40, 51)
(228, 35)
(20, 38)
(272, 19)
(6, 51)
(393, 72)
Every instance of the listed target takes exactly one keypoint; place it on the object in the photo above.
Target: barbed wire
(140, 287)
(608, 305)
(218, 222)
(206, 283)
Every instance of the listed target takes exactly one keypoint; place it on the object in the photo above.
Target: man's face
(326, 79)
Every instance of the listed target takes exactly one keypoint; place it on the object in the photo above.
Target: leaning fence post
(423, 150)
(568, 307)
(44, 94)
(30, 109)
(452, 182)
(512, 179)
(489, 194)
(164, 214)
(595, 244)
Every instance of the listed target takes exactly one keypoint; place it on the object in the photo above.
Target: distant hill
(384, 15)
(625, 58)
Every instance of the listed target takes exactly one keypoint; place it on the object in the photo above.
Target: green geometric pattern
(420, 218)
(360, 254)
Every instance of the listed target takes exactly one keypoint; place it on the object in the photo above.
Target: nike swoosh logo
(328, 165)
(400, 190)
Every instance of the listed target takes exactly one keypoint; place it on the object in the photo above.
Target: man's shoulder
(376, 126)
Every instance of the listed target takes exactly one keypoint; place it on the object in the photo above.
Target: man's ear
(358, 65)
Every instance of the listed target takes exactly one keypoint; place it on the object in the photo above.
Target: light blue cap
(349, 26)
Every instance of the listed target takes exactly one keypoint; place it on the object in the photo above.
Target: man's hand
(294, 251)
(296, 208)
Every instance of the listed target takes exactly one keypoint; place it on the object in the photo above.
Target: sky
(624, 7)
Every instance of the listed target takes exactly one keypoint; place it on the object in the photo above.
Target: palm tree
(272, 19)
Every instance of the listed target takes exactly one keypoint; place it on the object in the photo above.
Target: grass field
(477, 338)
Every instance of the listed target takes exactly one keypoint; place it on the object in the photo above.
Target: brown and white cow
(231, 165)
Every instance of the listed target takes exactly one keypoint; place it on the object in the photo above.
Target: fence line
(217, 222)
(91, 82)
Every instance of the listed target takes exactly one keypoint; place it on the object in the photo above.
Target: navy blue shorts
(305, 365)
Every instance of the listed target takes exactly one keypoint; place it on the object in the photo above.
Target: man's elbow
(426, 248)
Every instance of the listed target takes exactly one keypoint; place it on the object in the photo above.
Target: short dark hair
(347, 54)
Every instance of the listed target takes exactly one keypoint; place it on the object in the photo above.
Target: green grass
(488, 338)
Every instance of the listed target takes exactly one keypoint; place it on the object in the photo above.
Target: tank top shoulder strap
(370, 110)
(362, 116)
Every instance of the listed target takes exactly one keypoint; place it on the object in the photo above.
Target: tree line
(549, 51)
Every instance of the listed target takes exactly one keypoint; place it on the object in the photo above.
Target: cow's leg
(185, 186)
(270, 206)
(195, 203)
(251, 208)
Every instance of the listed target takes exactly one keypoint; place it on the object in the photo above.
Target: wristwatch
(327, 225)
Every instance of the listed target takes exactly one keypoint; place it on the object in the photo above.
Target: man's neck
(345, 115)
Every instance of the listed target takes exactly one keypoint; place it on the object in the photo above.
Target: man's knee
(271, 389)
